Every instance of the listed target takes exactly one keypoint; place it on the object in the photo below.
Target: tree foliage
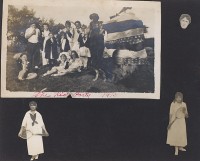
(20, 19)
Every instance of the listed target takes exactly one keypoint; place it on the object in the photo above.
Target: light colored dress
(45, 34)
(177, 135)
(34, 143)
(76, 64)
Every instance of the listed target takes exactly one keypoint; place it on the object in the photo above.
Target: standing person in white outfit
(45, 36)
(33, 121)
(177, 134)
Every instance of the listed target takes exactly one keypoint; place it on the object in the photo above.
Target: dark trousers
(33, 51)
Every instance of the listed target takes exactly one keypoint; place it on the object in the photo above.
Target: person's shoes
(36, 157)
(176, 152)
(33, 158)
(182, 149)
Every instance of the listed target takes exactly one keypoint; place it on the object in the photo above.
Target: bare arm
(186, 112)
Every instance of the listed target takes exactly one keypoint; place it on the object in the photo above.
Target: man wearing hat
(33, 122)
(32, 34)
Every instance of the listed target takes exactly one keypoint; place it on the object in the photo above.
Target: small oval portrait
(185, 20)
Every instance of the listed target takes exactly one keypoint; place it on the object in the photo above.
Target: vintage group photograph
(138, 61)
(82, 48)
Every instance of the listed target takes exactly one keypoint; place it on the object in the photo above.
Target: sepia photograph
(82, 50)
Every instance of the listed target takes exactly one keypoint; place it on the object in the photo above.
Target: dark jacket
(51, 47)
(81, 41)
(66, 47)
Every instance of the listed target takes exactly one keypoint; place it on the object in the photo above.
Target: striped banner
(122, 26)
(125, 30)
(128, 33)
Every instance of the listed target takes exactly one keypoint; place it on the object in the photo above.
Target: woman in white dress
(177, 135)
(45, 35)
(33, 121)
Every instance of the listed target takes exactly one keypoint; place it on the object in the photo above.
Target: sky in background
(78, 10)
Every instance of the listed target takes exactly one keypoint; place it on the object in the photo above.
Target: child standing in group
(64, 43)
(51, 52)
(84, 44)
(177, 135)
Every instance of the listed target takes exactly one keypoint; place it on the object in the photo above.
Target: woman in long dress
(177, 134)
(33, 122)
(96, 36)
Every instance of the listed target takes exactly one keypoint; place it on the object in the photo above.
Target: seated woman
(75, 64)
(24, 67)
(63, 65)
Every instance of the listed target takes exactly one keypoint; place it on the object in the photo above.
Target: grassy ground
(141, 81)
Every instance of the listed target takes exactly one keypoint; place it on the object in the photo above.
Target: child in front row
(63, 65)
(75, 64)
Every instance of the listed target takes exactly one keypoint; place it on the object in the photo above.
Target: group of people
(73, 48)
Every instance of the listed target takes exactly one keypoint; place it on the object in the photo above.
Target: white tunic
(34, 38)
(177, 135)
(35, 143)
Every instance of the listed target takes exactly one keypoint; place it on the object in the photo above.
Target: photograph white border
(157, 43)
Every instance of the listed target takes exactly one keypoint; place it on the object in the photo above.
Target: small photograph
(185, 20)
(82, 50)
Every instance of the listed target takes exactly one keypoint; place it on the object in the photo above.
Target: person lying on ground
(75, 65)
(63, 65)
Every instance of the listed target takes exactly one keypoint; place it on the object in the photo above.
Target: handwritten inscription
(61, 94)
(42, 94)
(81, 95)
(51, 95)
(109, 95)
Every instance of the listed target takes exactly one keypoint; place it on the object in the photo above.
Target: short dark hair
(74, 54)
(78, 22)
(68, 23)
(178, 94)
(94, 16)
(188, 17)
(63, 55)
(32, 103)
